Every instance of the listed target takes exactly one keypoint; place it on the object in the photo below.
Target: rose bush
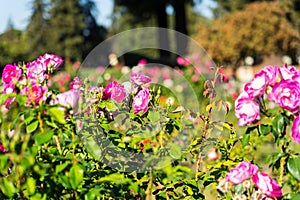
(136, 140)
(279, 85)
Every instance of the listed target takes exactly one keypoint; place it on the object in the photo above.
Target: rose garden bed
(139, 140)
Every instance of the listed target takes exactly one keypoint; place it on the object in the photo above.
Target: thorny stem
(57, 144)
(281, 173)
(149, 187)
(40, 122)
(205, 127)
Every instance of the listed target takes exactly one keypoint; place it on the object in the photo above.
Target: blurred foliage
(243, 33)
(225, 6)
(133, 14)
(54, 26)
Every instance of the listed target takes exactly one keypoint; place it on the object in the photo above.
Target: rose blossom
(246, 109)
(257, 87)
(2, 149)
(10, 73)
(286, 94)
(76, 83)
(182, 61)
(35, 94)
(36, 71)
(270, 73)
(8, 102)
(142, 62)
(139, 79)
(114, 91)
(69, 98)
(9, 88)
(296, 129)
(288, 72)
(50, 59)
(212, 154)
(267, 185)
(241, 173)
(141, 100)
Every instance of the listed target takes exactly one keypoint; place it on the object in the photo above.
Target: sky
(19, 11)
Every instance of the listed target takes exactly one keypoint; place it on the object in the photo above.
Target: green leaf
(16, 120)
(163, 163)
(115, 178)
(30, 183)
(293, 196)
(32, 126)
(175, 151)
(239, 189)
(43, 138)
(92, 194)
(264, 129)
(245, 140)
(57, 114)
(76, 176)
(293, 166)
(154, 116)
(21, 99)
(277, 126)
(8, 188)
(178, 125)
(59, 168)
(4, 97)
(64, 181)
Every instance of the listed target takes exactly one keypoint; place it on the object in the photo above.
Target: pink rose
(286, 94)
(140, 101)
(142, 62)
(267, 185)
(296, 129)
(212, 154)
(50, 59)
(35, 94)
(139, 79)
(288, 72)
(9, 88)
(114, 91)
(246, 109)
(76, 83)
(182, 61)
(257, 87)
(8, 102)
(241, 173)
(36, 71)
(69, 98)
(10, 73)
(2, 149)
(270, 73)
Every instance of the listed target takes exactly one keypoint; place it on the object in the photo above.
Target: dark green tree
(145, 11)
(12, 47)
(65, 29)
(93, 33)
(141, 11)
(35, 31)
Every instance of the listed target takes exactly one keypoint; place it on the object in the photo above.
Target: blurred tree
(64, 29)
(12, 47)
(143, 11)
(153, 13)
(35, 31)
(259, 29)
(225, 6)
(93, 33)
